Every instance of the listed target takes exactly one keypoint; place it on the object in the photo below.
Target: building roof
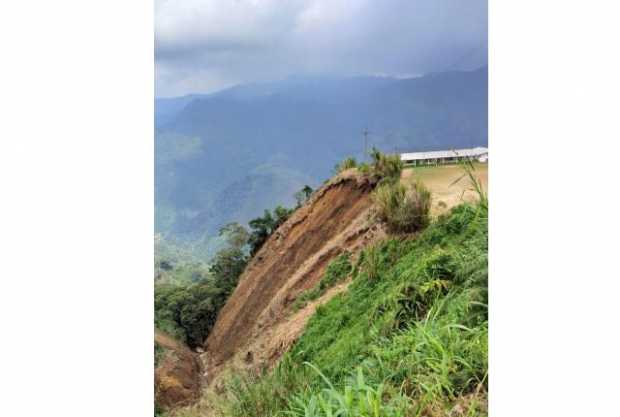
(413, 156)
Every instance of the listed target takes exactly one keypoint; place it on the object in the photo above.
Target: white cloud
(206, 45)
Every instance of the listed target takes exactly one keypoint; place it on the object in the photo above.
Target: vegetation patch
(404, 208)
(345, 164)
(187, 311)
(337, 271)
(408, 338)
(385, 167)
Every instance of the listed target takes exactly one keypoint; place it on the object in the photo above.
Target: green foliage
(386, 167)
(364, 168)
(357, 398)
(188, 311)
(403, 209)
(345, 164)
(370, 261)
(337, 270)
(303, 195)
(408, 338)
(263, 227)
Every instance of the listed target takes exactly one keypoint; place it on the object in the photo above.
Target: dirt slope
(177, 377)
(256, 326)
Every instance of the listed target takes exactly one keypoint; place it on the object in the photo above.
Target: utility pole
(365, 143)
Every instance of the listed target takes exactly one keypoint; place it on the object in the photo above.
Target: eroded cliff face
(256, 326)
(178, 376)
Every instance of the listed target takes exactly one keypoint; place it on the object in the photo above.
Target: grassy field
(438, 179)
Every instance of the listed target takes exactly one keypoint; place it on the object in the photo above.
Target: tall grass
(404, 208)
(475, 184)
(408, 338)
(356, 398)
(386, 167)
(345, 164)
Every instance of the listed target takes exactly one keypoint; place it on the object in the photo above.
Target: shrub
(403, 209)
(386, 167)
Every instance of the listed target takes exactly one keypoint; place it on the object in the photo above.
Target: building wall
(447, 160)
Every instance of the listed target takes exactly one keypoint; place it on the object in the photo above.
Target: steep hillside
(334, 221)
(334, 316)
(178, 373)
(297, 130)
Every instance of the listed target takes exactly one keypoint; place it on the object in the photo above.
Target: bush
(403, 209)
(386, 167)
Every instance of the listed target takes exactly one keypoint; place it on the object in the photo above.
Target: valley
(229, 155)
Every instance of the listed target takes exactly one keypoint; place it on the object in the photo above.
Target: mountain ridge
(297, 130)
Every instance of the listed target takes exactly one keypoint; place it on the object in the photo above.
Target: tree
(261, 229)
(303, 195)
(189, 311)
(281, 215)
(236, 235)
(228, 264)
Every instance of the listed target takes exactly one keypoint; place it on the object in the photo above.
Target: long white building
(445, 157)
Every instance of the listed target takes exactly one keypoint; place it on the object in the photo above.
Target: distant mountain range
(228, 156)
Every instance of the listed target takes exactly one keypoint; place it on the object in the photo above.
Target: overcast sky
(205, 45)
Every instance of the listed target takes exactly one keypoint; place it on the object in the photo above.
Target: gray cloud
(206, 45)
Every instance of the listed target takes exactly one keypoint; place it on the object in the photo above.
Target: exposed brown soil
(177, 378)
(256, 326)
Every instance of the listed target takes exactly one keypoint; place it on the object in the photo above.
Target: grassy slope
(408, 338)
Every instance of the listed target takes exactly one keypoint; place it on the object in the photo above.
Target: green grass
(404, 208)
(408, 338)
(336, 272)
